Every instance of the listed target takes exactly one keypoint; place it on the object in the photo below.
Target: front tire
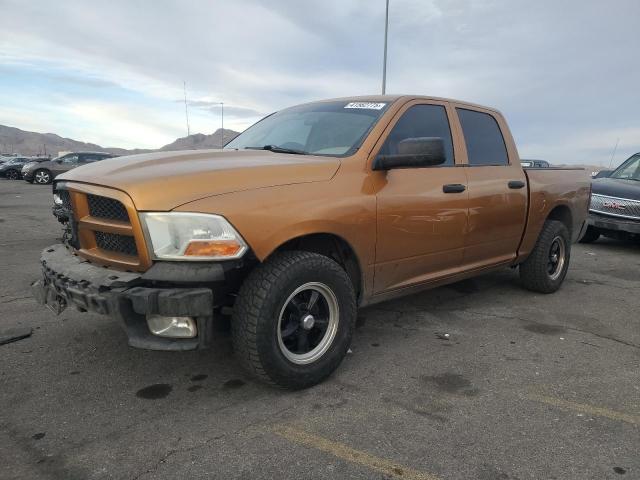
(591, 235)
(546, 267)
(42, 176)
(12, 175)
(293, 319)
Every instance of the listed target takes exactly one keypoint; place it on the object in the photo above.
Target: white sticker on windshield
(366, 105)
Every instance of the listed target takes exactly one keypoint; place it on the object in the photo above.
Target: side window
(70, 159)
(482, 135)
(89, 157)
(421, 121)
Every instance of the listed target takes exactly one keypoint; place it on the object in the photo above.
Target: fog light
(174, 327)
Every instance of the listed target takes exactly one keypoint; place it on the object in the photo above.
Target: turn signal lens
(212, 248)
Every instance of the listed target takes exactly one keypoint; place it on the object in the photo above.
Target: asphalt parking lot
(525, 386)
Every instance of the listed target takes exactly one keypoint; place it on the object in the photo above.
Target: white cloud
(558, 70)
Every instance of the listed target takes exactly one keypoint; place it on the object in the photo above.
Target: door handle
(453, 188)
(515, 184)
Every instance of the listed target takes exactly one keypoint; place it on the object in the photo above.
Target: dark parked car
(534, 163)
(11, 168)
(32, 161)
(615, 203)
(45, 172)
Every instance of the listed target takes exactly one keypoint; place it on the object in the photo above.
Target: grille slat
(114, 242)
(108, 208)
(618, 207)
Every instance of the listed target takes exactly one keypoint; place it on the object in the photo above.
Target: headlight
(191, 236)
(56, 199)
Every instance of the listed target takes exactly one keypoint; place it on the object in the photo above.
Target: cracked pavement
(526, 386)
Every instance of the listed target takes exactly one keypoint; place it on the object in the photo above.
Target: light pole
(222, 121)
(384, 62)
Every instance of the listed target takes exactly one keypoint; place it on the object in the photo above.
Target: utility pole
(384, 61)
(186, 109)
(222, 134)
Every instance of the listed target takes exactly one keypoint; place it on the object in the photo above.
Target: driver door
(421, 212)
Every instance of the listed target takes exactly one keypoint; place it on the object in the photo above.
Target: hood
(165, 180)
(617, 187)
(8, 166)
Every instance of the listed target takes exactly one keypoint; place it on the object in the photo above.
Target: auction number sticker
(366, 105)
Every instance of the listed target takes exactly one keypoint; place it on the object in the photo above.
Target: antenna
(614, 152)
(186, 108)
(384, 61)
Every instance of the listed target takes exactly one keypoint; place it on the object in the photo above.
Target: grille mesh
(103, 207)
(615, 206)
(114, 242)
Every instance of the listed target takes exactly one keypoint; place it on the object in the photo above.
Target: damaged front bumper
(69, 280)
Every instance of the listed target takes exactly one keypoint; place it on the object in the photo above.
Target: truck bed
(566, 187)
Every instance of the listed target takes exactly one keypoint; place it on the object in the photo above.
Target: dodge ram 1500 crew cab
(312, 212)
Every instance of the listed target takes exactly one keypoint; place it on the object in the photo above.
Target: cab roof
(405, 97)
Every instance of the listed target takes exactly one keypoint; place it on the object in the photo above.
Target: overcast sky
(565, 73)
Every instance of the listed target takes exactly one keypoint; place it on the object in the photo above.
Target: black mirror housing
(417, 152)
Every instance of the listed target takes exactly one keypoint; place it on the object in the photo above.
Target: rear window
(482, 135)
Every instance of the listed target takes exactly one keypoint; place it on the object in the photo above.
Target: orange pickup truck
(311, 213)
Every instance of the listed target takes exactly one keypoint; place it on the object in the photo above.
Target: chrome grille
(114, 242)
(616, 207)
(109, 208)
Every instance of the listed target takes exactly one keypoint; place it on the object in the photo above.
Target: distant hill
(200, 141)
(14, 140)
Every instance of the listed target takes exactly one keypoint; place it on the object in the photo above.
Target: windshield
(323, 128)
(629, 170)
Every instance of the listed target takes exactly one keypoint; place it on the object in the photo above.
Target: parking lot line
(352, 455)
(584, 408)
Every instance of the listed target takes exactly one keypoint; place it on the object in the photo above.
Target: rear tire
(12, 174)
(293, 319)
(591, 235)
(546, 267)
(42, 176)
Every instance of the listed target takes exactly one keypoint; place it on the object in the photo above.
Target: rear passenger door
(497, 189)
(421, 219)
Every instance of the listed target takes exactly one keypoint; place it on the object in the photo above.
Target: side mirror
(413, 153)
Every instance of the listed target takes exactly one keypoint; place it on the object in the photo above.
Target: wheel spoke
(290, 329)
(322, 323)
(312, 300)
(303, 340)
(297, 305)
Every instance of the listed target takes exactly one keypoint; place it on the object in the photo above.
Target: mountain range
(14, 140)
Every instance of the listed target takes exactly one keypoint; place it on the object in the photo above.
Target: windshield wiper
(277, 149)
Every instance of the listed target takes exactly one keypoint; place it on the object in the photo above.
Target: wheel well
(331, 246)
(562, 214)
